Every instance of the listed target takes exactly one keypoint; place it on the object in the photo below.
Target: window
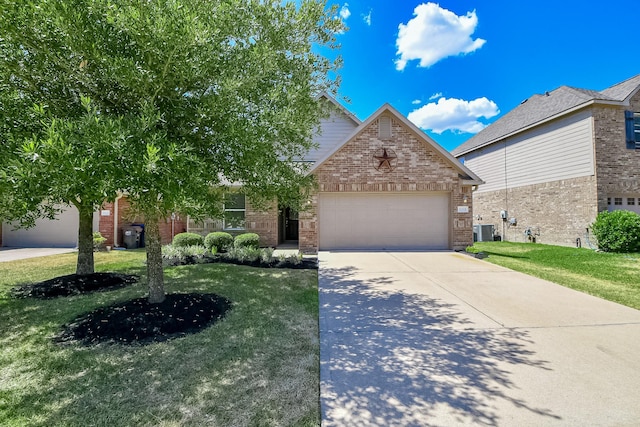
(617, 201)
(609, 201)
(632, 128)
(631, 201)
(234, 211)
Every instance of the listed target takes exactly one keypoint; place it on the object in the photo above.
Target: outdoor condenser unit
(483, 232)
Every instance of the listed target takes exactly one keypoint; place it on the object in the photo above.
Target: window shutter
(629, 131)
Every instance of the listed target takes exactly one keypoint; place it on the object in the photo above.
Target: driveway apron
(442, 339)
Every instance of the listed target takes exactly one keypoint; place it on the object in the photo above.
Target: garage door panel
(384, 221)
(61, 232)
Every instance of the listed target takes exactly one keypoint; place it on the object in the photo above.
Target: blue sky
(455, 66)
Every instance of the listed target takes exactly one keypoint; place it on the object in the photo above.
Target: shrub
(617, 231)
(266, 255)
(245, 254)
(247, 240)
(187, 239)
(294, 259)
(219, 240)
(177, 255)
(98, 241)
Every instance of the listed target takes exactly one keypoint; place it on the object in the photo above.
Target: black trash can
(131, 236)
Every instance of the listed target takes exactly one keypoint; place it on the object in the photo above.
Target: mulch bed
(139, 322)
(74, 284)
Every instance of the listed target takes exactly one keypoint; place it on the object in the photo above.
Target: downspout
(115, 221)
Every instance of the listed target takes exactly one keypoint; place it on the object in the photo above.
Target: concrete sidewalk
(14, 254)
(441, 339)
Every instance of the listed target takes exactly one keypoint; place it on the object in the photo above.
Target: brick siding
(617, 168)
(168, 227)
(560, 210)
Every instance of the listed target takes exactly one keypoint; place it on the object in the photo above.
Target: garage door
(383, 221)
(60, 233)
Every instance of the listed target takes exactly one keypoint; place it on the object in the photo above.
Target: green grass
(615, 277)
(257, 367)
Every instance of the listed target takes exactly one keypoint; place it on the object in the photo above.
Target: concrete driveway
(443, 339)
(14, 254)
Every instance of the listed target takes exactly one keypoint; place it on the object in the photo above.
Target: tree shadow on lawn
(398, 358)
(223, 375)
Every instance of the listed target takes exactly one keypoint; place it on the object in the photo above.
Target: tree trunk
(85, 243)
(155, 275)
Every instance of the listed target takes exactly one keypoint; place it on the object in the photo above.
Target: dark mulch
(138, 321)
(74, 284)
(304, 264)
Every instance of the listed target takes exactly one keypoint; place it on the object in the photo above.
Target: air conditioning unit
(483, 233)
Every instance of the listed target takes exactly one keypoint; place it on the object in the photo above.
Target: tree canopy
(170, 100)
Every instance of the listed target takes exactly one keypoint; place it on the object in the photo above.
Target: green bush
(617, 231)
(98, 241)
(187, 239)
(218, 240)
(247, 240)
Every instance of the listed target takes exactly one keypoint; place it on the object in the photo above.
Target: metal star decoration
(384, 159)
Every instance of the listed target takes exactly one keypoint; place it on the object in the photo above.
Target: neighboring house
(62, 232)
(557, 160)
(382, 184)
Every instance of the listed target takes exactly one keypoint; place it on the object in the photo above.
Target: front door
(290, 224)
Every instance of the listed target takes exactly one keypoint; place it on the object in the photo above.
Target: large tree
(206, 93)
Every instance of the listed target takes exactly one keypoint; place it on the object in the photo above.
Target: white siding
(559, 150)
(333, 131)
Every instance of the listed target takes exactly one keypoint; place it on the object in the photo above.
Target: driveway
(14, 254)
(442, 339)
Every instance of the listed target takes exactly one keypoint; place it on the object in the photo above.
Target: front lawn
(256, 367)
(615, 277)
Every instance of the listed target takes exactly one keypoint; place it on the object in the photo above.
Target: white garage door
(60, 233)
(383, 221)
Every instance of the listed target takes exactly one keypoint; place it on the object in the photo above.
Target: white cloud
(345, 12)
(456, 115)
(434, 34)
(416, 102)
(435, 96)
(367, 18)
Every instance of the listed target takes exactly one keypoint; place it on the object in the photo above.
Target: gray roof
(541, 107)
(623, 90)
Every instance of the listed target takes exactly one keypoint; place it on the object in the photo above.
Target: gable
(401, 128)
(414, 165)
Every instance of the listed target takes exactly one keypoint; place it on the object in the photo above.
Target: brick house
(556, 160)
(382, 184)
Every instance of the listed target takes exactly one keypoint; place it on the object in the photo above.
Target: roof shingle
(541, 107)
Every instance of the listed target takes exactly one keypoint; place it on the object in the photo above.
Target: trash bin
(141, 234)
(131, 236)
